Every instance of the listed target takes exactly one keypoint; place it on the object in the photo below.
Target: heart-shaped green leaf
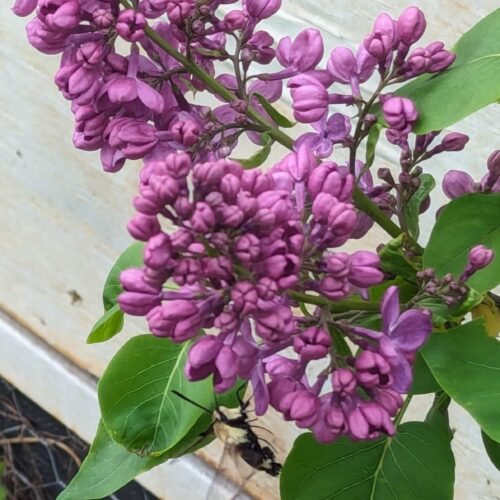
(466, 363)
(107, 326)
(401, 467)
(138, 407)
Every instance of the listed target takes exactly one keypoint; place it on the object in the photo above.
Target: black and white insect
(232, 426)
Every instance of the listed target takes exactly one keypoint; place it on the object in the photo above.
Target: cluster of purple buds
(448, 289)
(457, 183)
(243, 243)
(137, 105)
(359, 397)
(386, 48)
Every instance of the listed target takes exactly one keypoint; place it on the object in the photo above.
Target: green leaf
(393, 259)
(401, 467)
(468, 85)
(465, 222)
(107, 326)
(437, 415)
(492, 449)
(466, 363)
(277, 117)
(406, 290)
(138, 407)
(106, 468)
(412, 210)
(423, 380)
(371, 144)
(131, 257)
(260, 157)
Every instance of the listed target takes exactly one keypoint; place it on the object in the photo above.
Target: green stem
(402, 411)
(341, 306)
(361, 200)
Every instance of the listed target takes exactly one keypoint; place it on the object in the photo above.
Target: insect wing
(222, 488)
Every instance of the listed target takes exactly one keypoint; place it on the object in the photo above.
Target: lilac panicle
(242, 245)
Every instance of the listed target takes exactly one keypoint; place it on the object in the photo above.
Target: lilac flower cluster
(247, 247)
(365, 390)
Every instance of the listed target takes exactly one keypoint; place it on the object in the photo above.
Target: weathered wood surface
(63, 219)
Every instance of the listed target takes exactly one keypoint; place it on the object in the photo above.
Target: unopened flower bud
(312, 343)
(410, 25)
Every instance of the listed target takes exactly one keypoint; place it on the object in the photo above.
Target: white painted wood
(63, 224)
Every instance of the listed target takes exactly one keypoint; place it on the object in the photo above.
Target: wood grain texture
(63, 219)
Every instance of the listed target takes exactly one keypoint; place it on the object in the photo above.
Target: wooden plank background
(63, 219)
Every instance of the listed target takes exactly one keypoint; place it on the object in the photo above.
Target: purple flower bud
(142, 227)
(157, 251)
(372, 370)
(275, 324)
(227, 366)
(343, 382)
(185, 132)
(400, 113)
(267, 288)
(262, 9)
(227, 322)
(139, 297)
(103, 18)
(390, 400)
(342, 219)
(247, 248)
(304, 53)
(235, 20)
(59, 14)
(163, 189)
(381, 41)
(179, 10)
(431, 59)
(78, 83)
(410, 25)
(178, 319)
(230, 187)
(337, 264)
(203, 218)
(494, 163)
(91, 53)
(327, 178)
(126, 138)
(201, 357)
(454, 141)
(45, 39)
(130, 25)
(480, 256)
(364, 269)
(334, 288)
(187, 271)
(312, 343)
(457, 183)
(178, 164)
(368, 421)
(310, 99)
(89, 128)
(300, 406)
(24, 8)
(349, 69)
(245, 297)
